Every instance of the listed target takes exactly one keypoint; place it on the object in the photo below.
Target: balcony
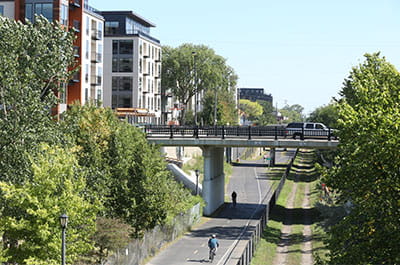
(77, 51)
(96, 34)
(76, 77)
(96, 80)
(96, 57)
(75, 3)
(76, 26)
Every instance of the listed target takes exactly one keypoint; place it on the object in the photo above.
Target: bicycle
(212, 254)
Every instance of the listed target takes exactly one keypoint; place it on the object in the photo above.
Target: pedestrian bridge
(213, 139)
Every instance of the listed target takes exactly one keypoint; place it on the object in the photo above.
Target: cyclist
(213, 244)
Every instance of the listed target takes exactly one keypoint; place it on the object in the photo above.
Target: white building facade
(133, 78)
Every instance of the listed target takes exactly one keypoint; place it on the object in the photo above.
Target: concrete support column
(214, 179)
(272, 156)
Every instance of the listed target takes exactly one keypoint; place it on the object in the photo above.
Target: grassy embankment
(302, 172)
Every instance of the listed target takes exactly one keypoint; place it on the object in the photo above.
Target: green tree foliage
(91, 129)
(267, 116)
(183, 72)
(225, 104)
(135, 186)
(367, 170)
(33, 64)
(292, 113)
(29, 219)
(327, 115)
(250, 110)
(111, 235)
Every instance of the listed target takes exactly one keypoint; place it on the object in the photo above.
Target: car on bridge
(309, 130)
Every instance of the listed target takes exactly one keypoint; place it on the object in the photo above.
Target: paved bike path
(229, 224)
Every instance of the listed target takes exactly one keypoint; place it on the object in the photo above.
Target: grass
(304, 171)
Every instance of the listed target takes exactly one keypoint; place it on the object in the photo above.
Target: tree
(327, 115)
(293, 113)
(267, 116)
(225, 107)
(30, 211)
(185, 72)
(367, 168)
(34, 62)
(124, 172)
(250, 110)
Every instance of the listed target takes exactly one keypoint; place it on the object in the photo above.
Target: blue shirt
(213, 243)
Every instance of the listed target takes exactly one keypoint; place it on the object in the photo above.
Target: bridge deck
(254, 142)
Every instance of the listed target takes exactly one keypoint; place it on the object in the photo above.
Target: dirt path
(306, 258)
(282, 249)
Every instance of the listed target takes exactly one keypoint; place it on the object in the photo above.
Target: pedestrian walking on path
(234, 195)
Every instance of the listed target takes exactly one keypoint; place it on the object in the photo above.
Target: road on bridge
(229, 224)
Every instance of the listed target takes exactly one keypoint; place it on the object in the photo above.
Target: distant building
(254, 94)
(132, 78)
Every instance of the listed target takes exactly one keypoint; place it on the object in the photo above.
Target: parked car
(309, 130)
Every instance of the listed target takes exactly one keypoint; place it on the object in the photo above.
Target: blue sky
(300, 51)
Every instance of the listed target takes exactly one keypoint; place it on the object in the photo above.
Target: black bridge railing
(222, 132)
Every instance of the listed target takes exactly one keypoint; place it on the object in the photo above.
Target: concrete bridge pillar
(214, 178)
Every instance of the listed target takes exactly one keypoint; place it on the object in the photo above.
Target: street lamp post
(215, 107)
(63, 223)
(194, 54)
(197, 181)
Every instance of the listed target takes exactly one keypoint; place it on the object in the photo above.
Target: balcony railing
(77, 25)
(96, 34)
(76, 77)
(96, 57)
(96, 80)
(77, 51)
(75, 3)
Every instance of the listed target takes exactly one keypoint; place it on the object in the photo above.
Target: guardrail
(249, 132)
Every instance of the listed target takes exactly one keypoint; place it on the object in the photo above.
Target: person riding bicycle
(213, 244)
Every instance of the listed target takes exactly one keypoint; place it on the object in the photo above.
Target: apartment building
(86, 84)
(254, 94)
(133, 79)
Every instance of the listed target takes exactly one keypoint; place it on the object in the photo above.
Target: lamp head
(64, 220)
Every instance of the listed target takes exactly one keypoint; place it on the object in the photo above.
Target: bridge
(213, 139)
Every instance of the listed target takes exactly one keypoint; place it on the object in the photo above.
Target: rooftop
(131, 15)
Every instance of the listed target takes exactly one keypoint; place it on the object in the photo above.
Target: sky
(299, 51)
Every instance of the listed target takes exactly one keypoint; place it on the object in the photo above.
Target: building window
(44, 9)
(126, 47)
(86, 94)
(111, 27)
(122, 92)
(28, 12)
(87, 26)
(125, 65)
(122, 46)
(64, 15)
(1, 10)
(99, 95)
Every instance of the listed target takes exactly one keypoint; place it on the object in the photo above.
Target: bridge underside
(213, 152)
